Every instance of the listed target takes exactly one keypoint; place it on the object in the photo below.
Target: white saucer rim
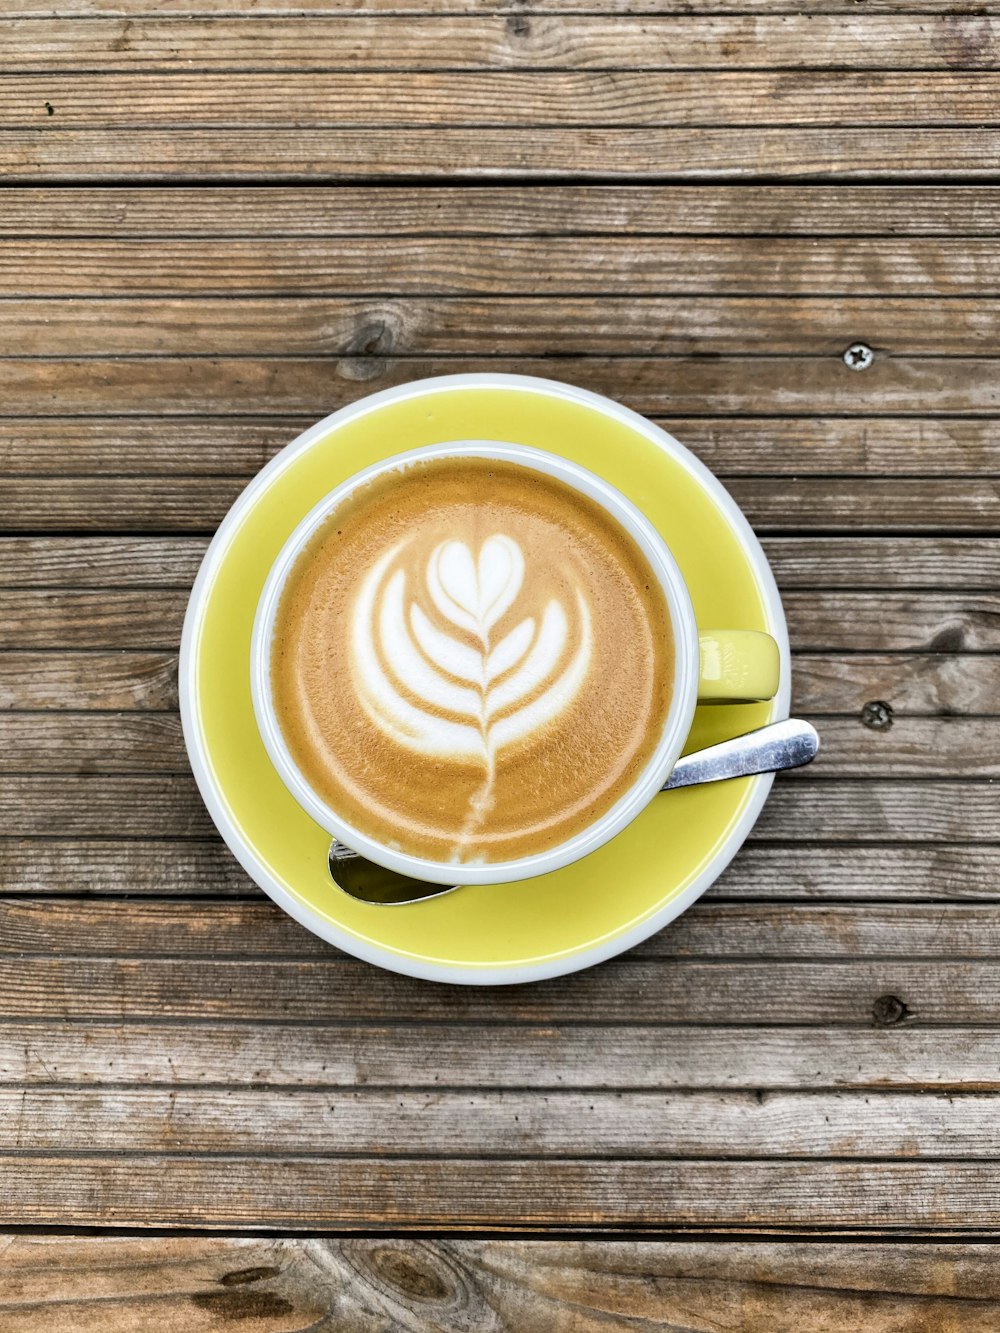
(214, 798)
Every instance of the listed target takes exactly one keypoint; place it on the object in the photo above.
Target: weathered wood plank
(913, 683)
(872, 446)
(91, 744)
(818, 621)
(929, 992)
(801, 505)
(884, 562)
(969, 563)
(255, 929)
(503, 1124)
(442, 265)
(157, 446)
(301, 1193)
(195, 869)
(101, 562)
(514, 1056)
(365, 211)
(156, 868)
(772, 446)
(640, 992)
(121, 618)
(341, 326)
(581, 98)
(881, 622)
(757, 385)
(239, 326)
(99, 743)
(99, 680)
(57, 1284)
(165, 1286)
(549, 41)
(828, 873)
(428, 8)
(293, 155)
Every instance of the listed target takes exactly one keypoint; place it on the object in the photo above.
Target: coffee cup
(704, 665)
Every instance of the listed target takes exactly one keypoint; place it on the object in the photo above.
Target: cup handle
(738, 666)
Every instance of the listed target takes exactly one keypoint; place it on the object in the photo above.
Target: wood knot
(373, 338)
(405, 1272)
(948, 640)
(877, 715)
(241, 1276)
(232, 1305)
(364, 356)
(412, 1271)
(889, 1009)
(519, 25)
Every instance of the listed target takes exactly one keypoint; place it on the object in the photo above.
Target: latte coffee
(471, 661)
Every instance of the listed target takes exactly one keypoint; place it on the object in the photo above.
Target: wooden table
(224, 218)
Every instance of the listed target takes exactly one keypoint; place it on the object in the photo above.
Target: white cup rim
(674, 732)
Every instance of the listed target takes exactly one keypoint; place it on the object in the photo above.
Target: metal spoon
(788, 744)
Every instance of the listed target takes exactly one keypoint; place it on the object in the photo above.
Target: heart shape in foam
(474, 594)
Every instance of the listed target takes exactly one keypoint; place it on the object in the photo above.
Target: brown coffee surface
(471, 661)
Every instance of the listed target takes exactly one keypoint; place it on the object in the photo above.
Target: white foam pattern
(442, 675)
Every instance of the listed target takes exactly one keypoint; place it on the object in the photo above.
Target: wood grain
(499, 326)
(121, 618)
(929, 992)
(58, 1284)
(174, 1055)
(299, 1194)
(119, 681)
(755, 385)
(256, 929)
(579, 98)
(100, 562)
(471, 1124)
(98, 680)
(547, 41)
(903, 873)
(884, 562)
(294, 155)
(879, 447)
(509, 265)
(207, 9)
(124, 212)
(910, 683)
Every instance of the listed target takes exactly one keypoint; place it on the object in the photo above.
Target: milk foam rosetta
(471, 661)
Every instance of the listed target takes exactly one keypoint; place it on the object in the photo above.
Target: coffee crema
(471, 661)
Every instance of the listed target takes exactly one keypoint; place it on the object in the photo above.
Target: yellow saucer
(535, 928)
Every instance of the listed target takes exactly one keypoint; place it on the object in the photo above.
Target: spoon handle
(788, 744)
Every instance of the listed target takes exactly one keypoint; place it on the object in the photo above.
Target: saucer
(484, 934)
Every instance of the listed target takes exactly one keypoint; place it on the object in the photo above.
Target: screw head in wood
(858, 357)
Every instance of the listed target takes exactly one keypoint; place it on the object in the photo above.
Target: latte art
(470, 661)
(444, 676)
